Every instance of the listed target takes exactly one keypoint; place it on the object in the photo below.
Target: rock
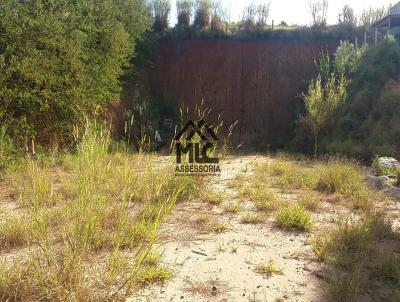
(388, 163)
(378, 182)
(384, 184)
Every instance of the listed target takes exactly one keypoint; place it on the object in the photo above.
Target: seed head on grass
(294, 217)
(268, 269)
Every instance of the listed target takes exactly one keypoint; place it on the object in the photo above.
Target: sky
(296, 11)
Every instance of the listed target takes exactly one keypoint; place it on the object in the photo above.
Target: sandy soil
(220, 267)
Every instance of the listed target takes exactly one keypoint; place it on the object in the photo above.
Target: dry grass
(91, 222)
(218, 227)
(264, 198)
(15, 232)
(309, 202)
(208, 289)
(352, 250)
(252, 218)
(232, 208)
(212, 196)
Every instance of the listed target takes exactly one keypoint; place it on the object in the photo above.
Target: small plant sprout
(268, 269)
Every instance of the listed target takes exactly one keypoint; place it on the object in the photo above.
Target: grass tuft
(294, 217)
(309, 202)
(14, 232)
(232, 208)
(389, 270)
(251, 218)
(268, 269)
(218, 227)
(153, 275)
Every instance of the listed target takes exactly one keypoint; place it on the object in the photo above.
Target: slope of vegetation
(369, 124)
(351, 106)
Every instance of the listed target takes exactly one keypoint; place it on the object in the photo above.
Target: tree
(347, 18)
(202, 16)
(249, 16)
(325, 94)
(184, 12)
(371, 15)
(322, 102)
(318, 11)
(263, 10)
(161, 10)
(62, 60)
(283, 23)
(218, 17)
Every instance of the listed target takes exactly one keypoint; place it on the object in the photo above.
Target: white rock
(388, 162)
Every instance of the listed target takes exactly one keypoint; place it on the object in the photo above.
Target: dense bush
(60, 60)
(369, 123)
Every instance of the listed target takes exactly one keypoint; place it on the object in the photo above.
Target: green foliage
(294, 216)
(353, 108)
(369, 123)
(61, 60)
(322, 102)
(347, 56)
(379, 170)
(6, 148)
(390, 270)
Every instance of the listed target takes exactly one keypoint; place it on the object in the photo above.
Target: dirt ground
(221, 267)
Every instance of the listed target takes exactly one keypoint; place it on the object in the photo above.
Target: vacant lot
(101, 227)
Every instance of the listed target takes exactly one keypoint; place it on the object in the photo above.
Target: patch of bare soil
(210, 266)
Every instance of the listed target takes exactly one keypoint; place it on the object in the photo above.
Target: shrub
(60, 61)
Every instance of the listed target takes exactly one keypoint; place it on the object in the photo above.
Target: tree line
(212, 15)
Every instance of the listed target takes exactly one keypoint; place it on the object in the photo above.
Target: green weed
(294, 216)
